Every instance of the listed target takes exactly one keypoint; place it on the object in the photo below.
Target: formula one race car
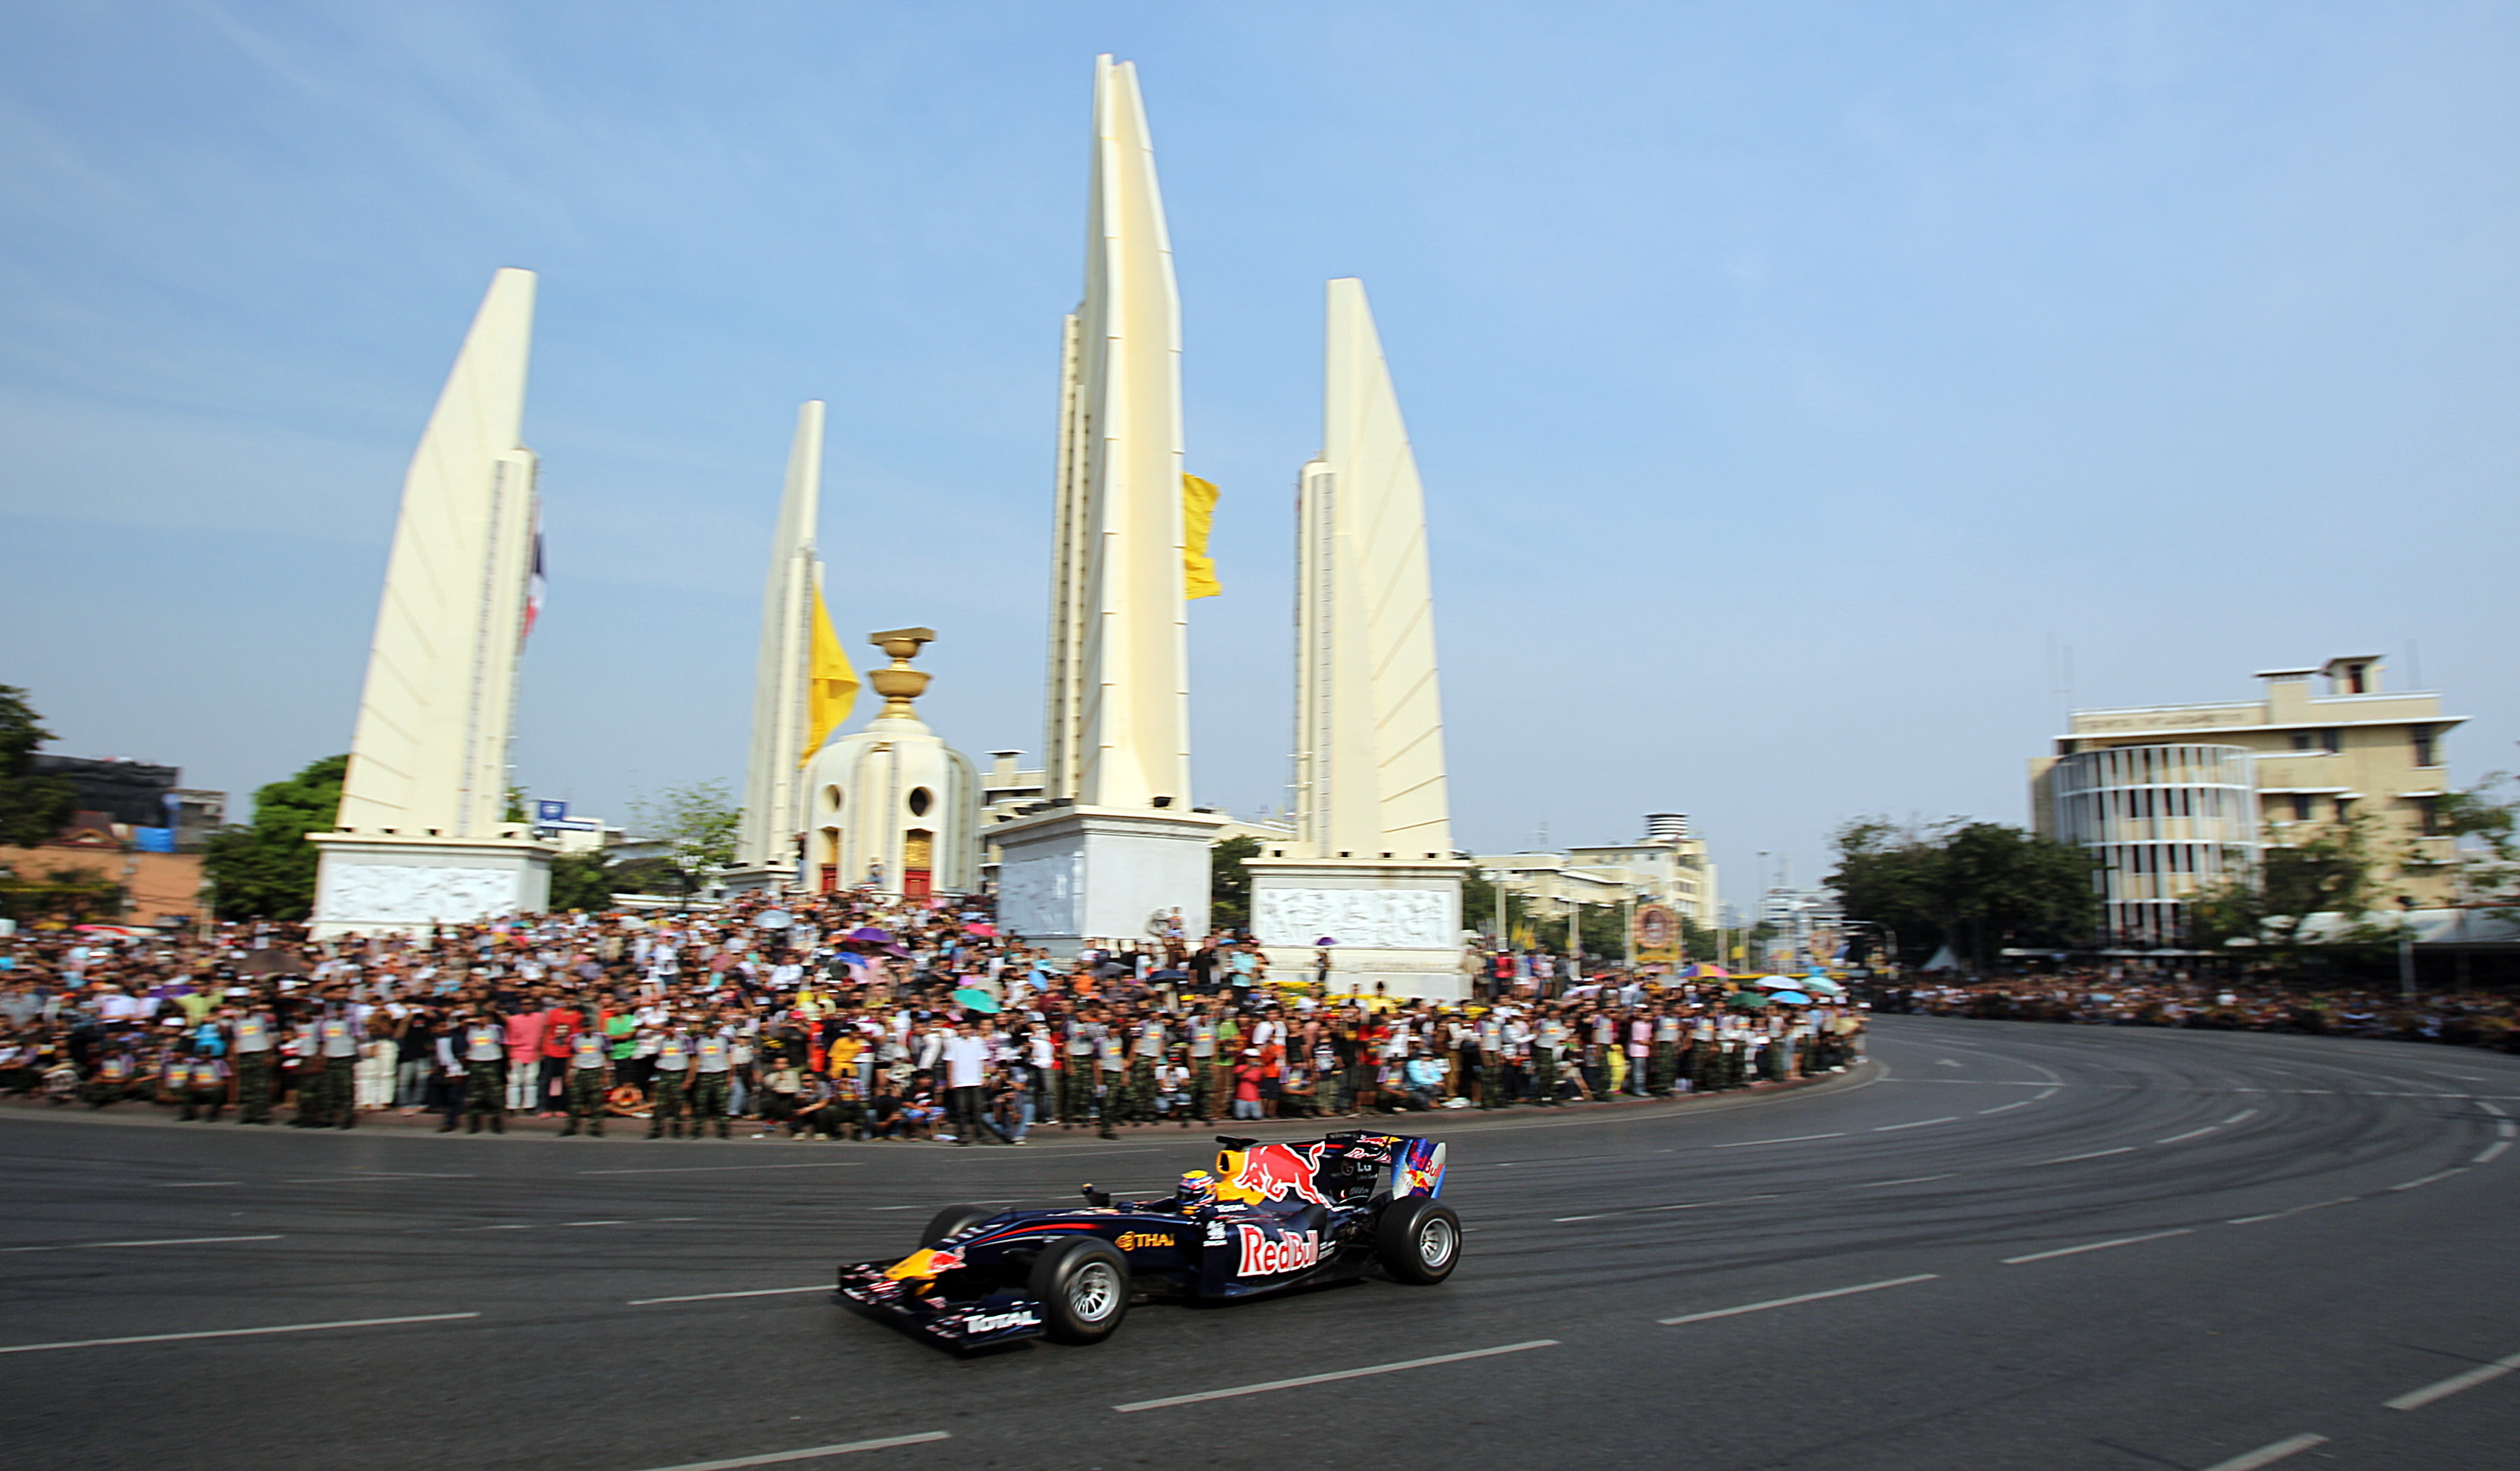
(1267, 1218)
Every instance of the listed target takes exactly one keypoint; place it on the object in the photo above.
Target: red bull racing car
(1266, 1218)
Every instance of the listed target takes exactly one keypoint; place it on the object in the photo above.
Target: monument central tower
(1118, 848)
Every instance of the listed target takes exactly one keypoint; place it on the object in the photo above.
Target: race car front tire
(952, 1218)
(1082, 1283)
(1419, 1240)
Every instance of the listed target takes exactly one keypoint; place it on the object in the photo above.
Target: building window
(2427, 745)
(2427, 818)
(2301, 740)
(2331, 740)
(2300, 807)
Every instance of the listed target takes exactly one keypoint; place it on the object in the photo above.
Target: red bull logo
(1277, 1171)
(1264, 1255)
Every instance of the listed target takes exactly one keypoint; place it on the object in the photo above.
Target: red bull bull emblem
(1264, 1255)
(1277, 1171)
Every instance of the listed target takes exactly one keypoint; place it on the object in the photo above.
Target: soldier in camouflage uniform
(589, 1063)
(1665, 1066)
(481, 1047)
(713, 1064)
(252, 1036)
(1490, 1062)
(673, 1084)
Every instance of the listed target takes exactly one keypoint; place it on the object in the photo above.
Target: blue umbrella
(972, 998)
(1789, 998)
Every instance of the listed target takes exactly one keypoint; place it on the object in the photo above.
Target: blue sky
(1786, 379)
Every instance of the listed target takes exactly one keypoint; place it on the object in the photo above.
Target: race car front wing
(999, 1317)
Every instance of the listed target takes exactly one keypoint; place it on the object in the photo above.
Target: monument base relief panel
(1396, 925)
(374, 884)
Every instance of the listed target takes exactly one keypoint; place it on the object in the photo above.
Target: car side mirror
(1094, 1197)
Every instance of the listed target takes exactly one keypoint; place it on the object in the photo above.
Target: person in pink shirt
(525, 1058)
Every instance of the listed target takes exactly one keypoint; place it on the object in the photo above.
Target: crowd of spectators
(2095, 999)
(842, 1017)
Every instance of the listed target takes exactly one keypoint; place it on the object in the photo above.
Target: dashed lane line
(2194, 1133)
(812, 1452)
(2067, 1159)
(2442, 1174)
(2491, 1152)
(2000, 1107)
(1788, 1139)
(2342, 1200)
(169, 1338)
(718, 1169)
(2442, 1389)
(1916, 1123)
(1912, 1180)
(1808, 1297)
(712, 1297)
(2242, 1116)
(84, 1246)
(2094, 1246)
(1298, 1383)
(2268, 1456)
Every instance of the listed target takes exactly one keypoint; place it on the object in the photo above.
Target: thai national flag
(535, 586)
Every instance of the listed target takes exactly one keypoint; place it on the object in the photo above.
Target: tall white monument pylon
(421, 837)
(803, 684)
(1371, 867)
(1119, 851)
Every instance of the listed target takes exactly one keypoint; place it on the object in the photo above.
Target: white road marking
(193, 1185)
(1788, 1139)
(2445, 1388)
(892, 1207)
(167, 1338)
(2507, 1128)
(2051, 1093)
(2016, 1103)
(2268, 1456)
(813, 1452)
(2490, 1108)
(1563, 1220)
(81, 1246)
(1919, 1124)
(1945, 1062)
(1913, 1180)
(2491, 1152)
(2246, 1113)
(2194, 1133)
(1808, 1297)
(2095, 1154)
(2306, 1092)
(2342, 1200)
(595, 1222)
(2094, 1246)
(1699, 1205)
(716, 1168)
(2429, 1178)
(712, 1297)
(1279, 1384)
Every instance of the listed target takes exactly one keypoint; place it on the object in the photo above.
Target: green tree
(582, 881)
(32, 808)
(2331, 872)
(645, 876)
(2487, 822)
(265, 869)
(1228, 883)
(699, 820)
(1973, 885)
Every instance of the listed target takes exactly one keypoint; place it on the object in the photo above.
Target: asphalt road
(2000, 1245)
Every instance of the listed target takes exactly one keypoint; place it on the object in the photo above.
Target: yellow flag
(1198, 513)
(831, 684)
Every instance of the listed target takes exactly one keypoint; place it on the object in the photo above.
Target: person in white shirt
(966, 1055)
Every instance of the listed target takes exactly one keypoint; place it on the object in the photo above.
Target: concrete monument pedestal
(1077, 874)
(374, 884)
(1397, 923)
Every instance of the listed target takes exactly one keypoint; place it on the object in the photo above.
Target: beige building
(1669, 864)
(2173, 797)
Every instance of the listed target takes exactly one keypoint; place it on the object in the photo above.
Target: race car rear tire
(952, 1218)
(1082, 1283)
(1419, 1240)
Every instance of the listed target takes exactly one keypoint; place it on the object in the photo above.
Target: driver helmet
(1196, 1188)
